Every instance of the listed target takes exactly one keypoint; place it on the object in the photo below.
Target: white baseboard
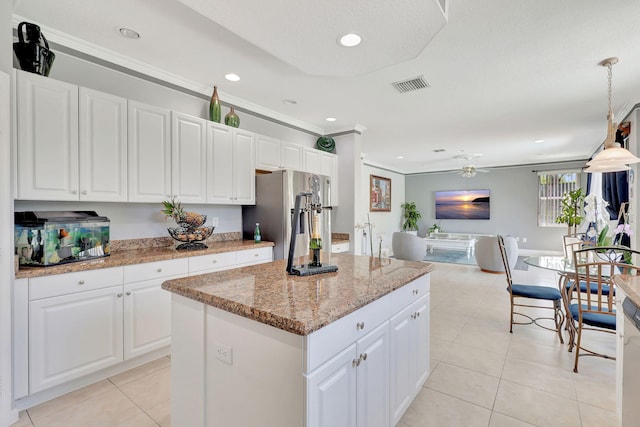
(538, 252)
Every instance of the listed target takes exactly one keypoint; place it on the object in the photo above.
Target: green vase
(232, 119)
(215, 109)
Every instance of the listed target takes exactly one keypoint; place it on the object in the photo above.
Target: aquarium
(46, 238)
(462, 204)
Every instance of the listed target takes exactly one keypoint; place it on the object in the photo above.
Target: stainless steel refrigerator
(275, 198)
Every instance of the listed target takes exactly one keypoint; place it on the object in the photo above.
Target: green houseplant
(411, 216)
(571, 213)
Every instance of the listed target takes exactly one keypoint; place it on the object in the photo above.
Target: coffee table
(452, 243)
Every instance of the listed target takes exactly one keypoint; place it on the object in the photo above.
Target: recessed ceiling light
(232, 77)
(128, 33)
(290, 101)
(538, 141)
(350, 40)
(400, 157)
(331, 119)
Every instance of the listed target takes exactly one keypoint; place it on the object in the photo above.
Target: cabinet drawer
(255, 256)
(400, 298)
(338, 248)
(328, 341)
(62, 284)
(155, 270)
(215, 261)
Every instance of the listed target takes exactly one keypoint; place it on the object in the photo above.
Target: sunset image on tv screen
(462, 204)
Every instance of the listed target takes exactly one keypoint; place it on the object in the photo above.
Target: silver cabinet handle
(119, 295)
(74, 191)
(356, 362)
(81, 282)
(415, 292)
(84, 191)
(214, 261)
(363, 356)
(128, 292)
(256, 254)
(159, 270)
(360, 325)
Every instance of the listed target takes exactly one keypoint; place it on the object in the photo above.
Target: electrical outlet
(224, 353)
(524, 240)
(214, 221)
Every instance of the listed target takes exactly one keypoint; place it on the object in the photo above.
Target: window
(552, 185)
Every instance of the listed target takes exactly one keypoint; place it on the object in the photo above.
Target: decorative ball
(326, 143)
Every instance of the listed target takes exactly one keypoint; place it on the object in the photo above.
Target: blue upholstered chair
(591, 303)
(408, 247)
(519, 294)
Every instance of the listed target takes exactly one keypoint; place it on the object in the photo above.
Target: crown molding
(78, 45)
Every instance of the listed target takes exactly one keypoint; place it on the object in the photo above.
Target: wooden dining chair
(591, 296)
(519, 293)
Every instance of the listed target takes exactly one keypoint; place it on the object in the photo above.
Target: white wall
(385, 223)
(514, 203)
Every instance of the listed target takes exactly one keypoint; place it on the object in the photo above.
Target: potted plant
(435, 228)
(411, 217)
(572, 206)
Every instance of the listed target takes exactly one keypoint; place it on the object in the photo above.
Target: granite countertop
(138, 256)
(300, 305)
(630, 285)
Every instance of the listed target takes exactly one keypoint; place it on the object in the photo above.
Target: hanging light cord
(611, 135)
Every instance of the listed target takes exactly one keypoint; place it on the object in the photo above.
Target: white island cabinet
(315, 351)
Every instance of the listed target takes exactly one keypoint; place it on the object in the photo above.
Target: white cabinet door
(268, 153)
(420, 352)
(329, 167)
(188, 158)
(244, 169)
(147, 317)
(291, 156)
(149, 160)
(231, 165)
(73, 335)
(409, 355)
(102, 146)
(373, 378)
(400, 381)
(220, 164)
(47, 129)
(312, 160)
(331, 392)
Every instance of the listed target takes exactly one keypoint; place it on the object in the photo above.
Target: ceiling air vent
(411, 84)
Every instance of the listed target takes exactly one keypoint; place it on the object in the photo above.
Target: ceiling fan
(468, 169)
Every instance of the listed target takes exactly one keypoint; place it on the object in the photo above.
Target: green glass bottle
(257, 237)
(315, 243)
(215, 109)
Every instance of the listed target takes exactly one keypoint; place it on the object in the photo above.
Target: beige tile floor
(481, 374)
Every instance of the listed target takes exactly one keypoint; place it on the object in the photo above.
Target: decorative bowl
(193, 238)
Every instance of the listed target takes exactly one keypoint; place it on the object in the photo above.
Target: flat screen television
(462, 204)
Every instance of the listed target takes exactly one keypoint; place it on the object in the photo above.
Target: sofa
(488, 254)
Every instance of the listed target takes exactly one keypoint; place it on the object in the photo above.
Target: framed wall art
(379, 194)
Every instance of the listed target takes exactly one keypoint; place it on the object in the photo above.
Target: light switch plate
(224, 353)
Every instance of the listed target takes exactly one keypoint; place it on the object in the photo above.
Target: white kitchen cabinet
(254, 256)
(102, 146)
(332, 392)
(409, 355)
(373, 378)
(291, 155)
(149, 153)
(274, 154)
(72, 142)
(231, 165)
(47, 132)
(312, 162)
(352, 389)
(188, 158)
(74, 335)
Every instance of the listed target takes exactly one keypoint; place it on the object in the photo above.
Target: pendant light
(613, 158)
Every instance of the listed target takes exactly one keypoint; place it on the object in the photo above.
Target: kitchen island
(256, 347)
